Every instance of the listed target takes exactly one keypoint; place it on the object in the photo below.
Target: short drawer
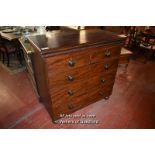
(107, 79)
(100, 54)
(103, 79)
(68, 61)
(98, 94)
(106, 66)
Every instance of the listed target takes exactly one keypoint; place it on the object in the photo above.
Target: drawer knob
(70, 93)
(102, 80)
(70, 78)
(71, 63)
(107, 53)
(106, 66)
(70, 106)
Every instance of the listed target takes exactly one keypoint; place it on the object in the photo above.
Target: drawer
(106, 66)
(100, 54)
(97, 94)
(68, 61)
(68, 77)
(107, 79)
(67, 92)
(68, 106)
(103, 79)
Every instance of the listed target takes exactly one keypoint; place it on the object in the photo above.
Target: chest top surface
(59, 41)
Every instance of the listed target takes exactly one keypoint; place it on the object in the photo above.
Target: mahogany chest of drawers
(74, 69)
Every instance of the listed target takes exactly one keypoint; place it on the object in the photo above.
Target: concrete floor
(131, 105)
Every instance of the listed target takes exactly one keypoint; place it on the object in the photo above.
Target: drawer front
(98, 93)
(100, 54)
(68, 92)
(68, 77)
(102, 79)
(68, 61)
(107, 79)
(106, 67)
(68, 106)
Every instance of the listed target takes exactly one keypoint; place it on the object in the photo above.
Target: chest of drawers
(74, 69)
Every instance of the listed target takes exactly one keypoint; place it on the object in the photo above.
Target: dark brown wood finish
(75, 69)
(59, 42)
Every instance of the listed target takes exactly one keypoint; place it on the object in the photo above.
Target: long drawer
(105, 66)
(68, 77)
(68, 62)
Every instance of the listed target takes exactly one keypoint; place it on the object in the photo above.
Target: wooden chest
(74, 69)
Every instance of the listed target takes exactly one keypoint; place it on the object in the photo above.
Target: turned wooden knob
(70, 78)
(106, 66)
(102, 80)
(107, 53)
(71, 63)
(70, 93)
(70, 106)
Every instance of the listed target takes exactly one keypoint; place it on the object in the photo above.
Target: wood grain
(76, 69)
